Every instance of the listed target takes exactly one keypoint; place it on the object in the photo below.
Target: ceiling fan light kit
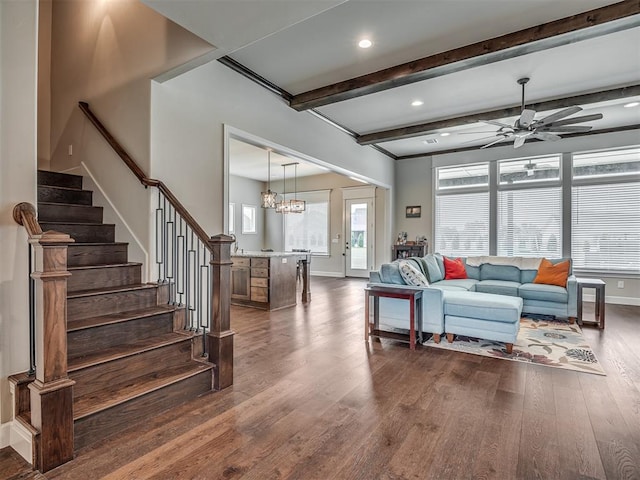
(547, 128)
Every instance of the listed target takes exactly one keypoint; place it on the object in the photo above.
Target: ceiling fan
(547, 128)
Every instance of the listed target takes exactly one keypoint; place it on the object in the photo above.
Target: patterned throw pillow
(412, 276)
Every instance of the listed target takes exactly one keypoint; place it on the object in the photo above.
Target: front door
(359, 237)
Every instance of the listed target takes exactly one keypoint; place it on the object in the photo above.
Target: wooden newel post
(220, 334)
(52, 390)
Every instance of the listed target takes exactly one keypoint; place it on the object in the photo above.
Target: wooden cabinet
(406, 251)
(240, 279)
(266, 283)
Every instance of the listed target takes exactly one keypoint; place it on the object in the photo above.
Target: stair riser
(97, 305)
(84, 255)
(104, 277)
(59, 195)
(59, 179)
(90, 429)
(84, 233)
(129, 369)
(96, 339)
(69, 213)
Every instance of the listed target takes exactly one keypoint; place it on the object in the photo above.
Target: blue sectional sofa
(487, 304)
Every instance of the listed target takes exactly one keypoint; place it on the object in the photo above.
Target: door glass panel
(358, 236)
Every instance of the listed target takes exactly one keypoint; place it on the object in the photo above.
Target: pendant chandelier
(268, 198)
(293, 205)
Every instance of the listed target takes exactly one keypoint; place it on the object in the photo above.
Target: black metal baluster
(32, 317)
(159, 227)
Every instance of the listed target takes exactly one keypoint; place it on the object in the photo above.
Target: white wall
(18, 159)
(188, 114)
(106, 53)
(247, 191)
(415, 180)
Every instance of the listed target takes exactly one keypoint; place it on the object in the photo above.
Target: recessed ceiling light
(445, 134)
(365, 43)
(631, 105)
(417, 103)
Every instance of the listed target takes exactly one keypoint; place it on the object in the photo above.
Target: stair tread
(121, 288)
(122, 351)
(60, 204)
(77, 223)
(108, 265)
(116, 394)
(64, 188)
(96, 244)
(75, 325)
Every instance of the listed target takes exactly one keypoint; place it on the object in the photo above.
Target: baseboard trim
(615, 300)
(16, 436)
(328, 274)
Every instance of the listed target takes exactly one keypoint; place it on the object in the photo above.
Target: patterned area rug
(541, 340)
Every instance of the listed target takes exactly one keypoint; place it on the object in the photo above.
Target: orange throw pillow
(551, 274)
(454, 269)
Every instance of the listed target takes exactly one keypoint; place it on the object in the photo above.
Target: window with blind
(462, 224)
(530, 214)
(462, 210)
(605, 211)
(309, 230)
(530, 222)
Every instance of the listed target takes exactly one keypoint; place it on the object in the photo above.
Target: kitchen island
(267, 280)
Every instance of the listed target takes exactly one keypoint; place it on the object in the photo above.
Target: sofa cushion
(435, 271)
(390, 273)
(454, 268)
(499, 272)
(412, 276)
(473, 272)
(527, 276)
(484, 306)
(538, 291)
(466, 283)
(498, 287)
(553, 274)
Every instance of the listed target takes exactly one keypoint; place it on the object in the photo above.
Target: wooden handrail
(146, 181)
(25, 214)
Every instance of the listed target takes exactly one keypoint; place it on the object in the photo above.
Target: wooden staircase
(126, 347)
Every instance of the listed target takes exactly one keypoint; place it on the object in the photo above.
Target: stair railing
(51, 393)
(196, 267)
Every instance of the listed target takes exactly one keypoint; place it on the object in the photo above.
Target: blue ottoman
(482, 315)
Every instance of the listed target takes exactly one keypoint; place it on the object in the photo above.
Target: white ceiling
(302, 45)
(250, 161)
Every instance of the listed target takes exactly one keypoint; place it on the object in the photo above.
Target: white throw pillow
(412, 276)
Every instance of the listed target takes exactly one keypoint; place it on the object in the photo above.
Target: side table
(598, 285)
(415, 305)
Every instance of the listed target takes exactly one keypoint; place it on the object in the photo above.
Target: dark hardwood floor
(312, 401)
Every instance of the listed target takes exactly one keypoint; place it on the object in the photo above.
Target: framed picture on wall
(248, 218)
(413, 211)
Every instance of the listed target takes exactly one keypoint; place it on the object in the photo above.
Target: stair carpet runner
(127, 350)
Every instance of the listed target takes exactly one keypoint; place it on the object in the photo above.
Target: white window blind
(530, 222)
(605, 227)
(309, 230)
(462, 224)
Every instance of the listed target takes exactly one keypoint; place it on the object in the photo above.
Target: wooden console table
(598, 285)
(415, 304)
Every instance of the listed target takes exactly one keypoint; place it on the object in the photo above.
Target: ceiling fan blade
(494, 142)
(499, 124)
(526, 117)
(519, 141)
(569, 128)
(569, 121)
(558, 115)
(546, 136)
(474, 133)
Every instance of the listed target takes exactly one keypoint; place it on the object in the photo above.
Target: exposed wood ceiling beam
(421, 129)
(468, 149)
(591, 24)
